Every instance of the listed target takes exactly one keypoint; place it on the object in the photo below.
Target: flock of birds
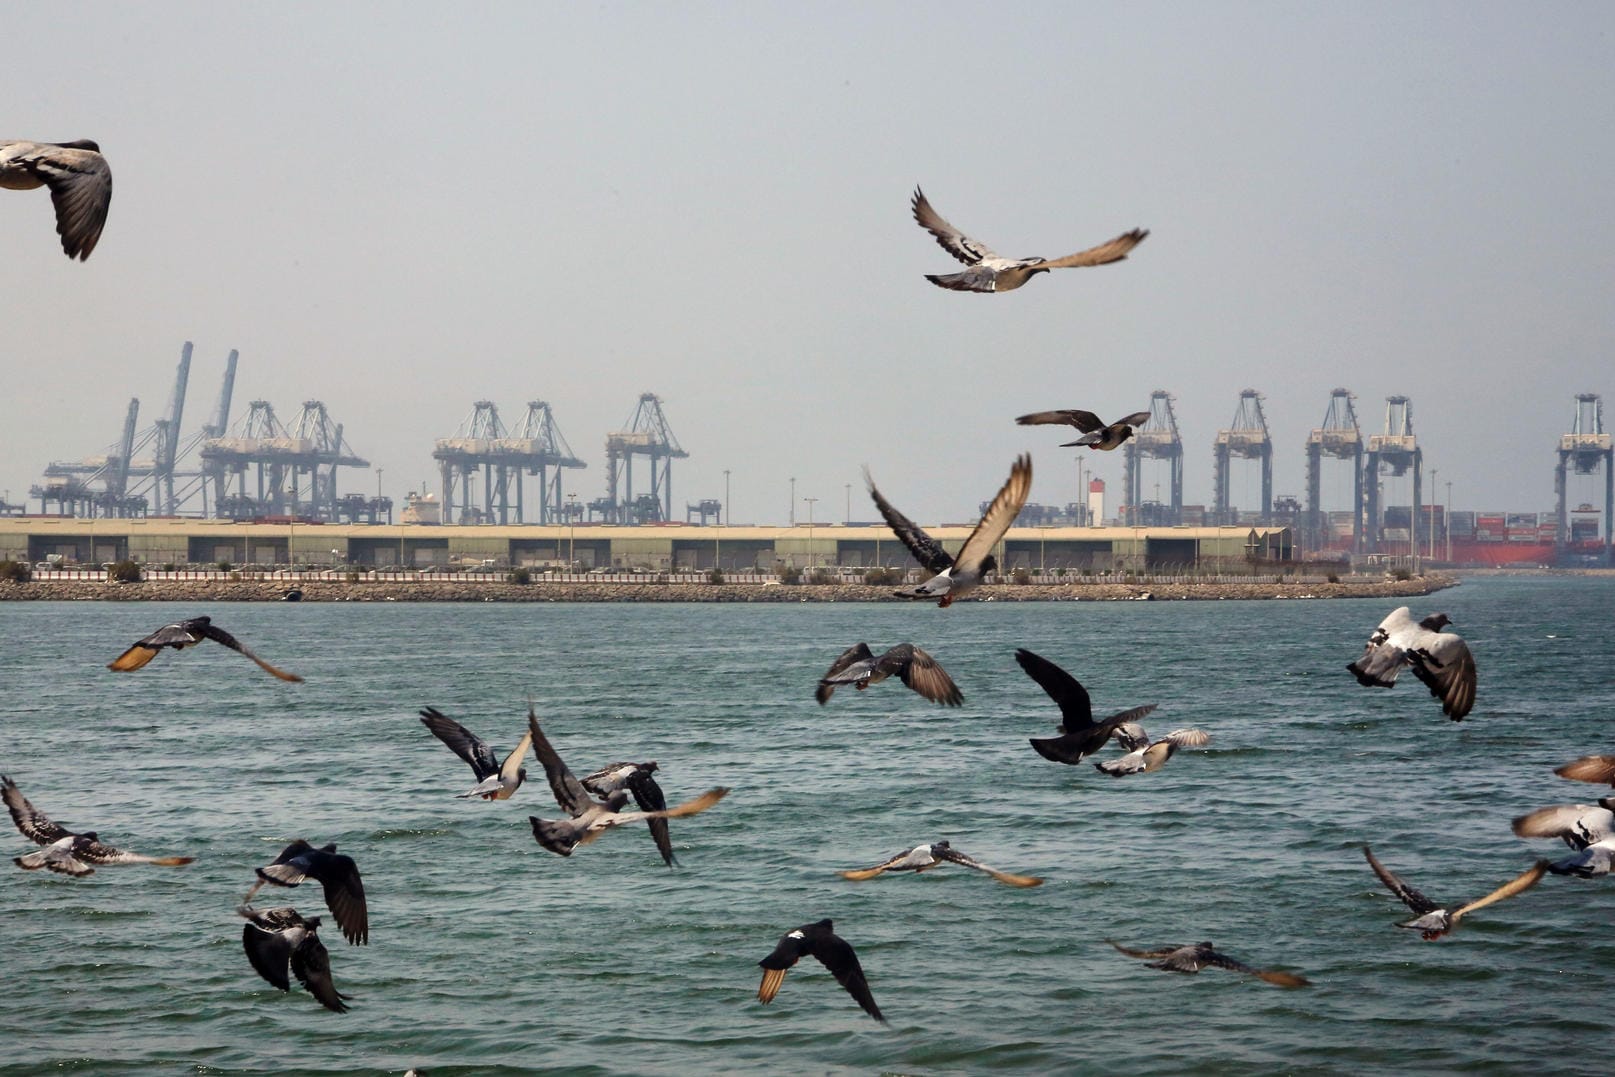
(281, 943)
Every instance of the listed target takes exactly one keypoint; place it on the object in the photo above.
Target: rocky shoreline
(500, 591)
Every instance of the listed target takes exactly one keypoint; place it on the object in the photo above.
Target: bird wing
(80, 183)
(344, 893)
(1164, 952)
(786, 953)
(1580, 825)
(311, 964)
(648, 795)
(136, 656)
(1188, 738)
(34, 824)
(967, 250)
(689, 807)
(1131, 736)
(98, 853)
(974, 279)
(920, 672)
(1076, 710)
(926, 550)
(287, 869)
(859, 875)
(1000, 514)
(1223, 961)
(1113, 251)
(1086, 421)
(569, 792)
(1589, 768)
(1517, 885)
(268, 951)
(1405, 893)
(1137, 419)
(511, 768)
(464, 743)
(1382, 660)
(837, 955)
(856, 655)
(1448, 669)
(1004, 877)
(219, 635)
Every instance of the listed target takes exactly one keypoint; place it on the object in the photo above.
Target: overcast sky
(401, 209)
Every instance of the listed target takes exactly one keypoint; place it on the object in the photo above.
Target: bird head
(521, 775)
(617, 799)
(989, 564)
(1435, 622)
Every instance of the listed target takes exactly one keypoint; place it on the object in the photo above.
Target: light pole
(793, 501)
(848, 518)
(1082, 496)
(1433, 486)
(379, 470)
(726, 518)
(810, 501)
(571, 532)
(1447, 521)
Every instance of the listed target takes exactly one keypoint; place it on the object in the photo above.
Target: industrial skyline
(256, 466)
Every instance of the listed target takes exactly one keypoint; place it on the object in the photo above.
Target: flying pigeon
(80, 186)
(66, 852)
(833, 952)
(495, 780)
(274, 938)
(589, 817)
(1433, 920)
(925, 857)
(1080, 736)
(1202, 955)
(1095, 433)
(860, 668)
(1144, 755)
(991, 272)
(337, 874)
(1587, 828)
(182, 634)
(1440, 659)
(956, 576)
(640, 780)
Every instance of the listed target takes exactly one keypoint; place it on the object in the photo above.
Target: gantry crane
(1158, 437)
(1247, 438)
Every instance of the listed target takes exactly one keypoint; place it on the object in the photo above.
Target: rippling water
(489, 954)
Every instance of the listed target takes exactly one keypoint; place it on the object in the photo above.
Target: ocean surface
(490, 955)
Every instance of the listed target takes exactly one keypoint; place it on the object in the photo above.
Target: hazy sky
(401, 209)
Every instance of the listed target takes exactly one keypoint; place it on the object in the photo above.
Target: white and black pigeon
(1587, 828)
(182, 634)
(80, 186)
(277, 938)
(1080, 736)
(589, 817)
(496, 780)
(834, 953)
(640, 780)
(1440, 659)
(1599, 769)
(1431, 919)
(956, 576)
(990, 271)
(925, 857)
(66, 852)
(860, 667)
(1203, 955)
(1144, 755)
(1096, 434)
(337, 875)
